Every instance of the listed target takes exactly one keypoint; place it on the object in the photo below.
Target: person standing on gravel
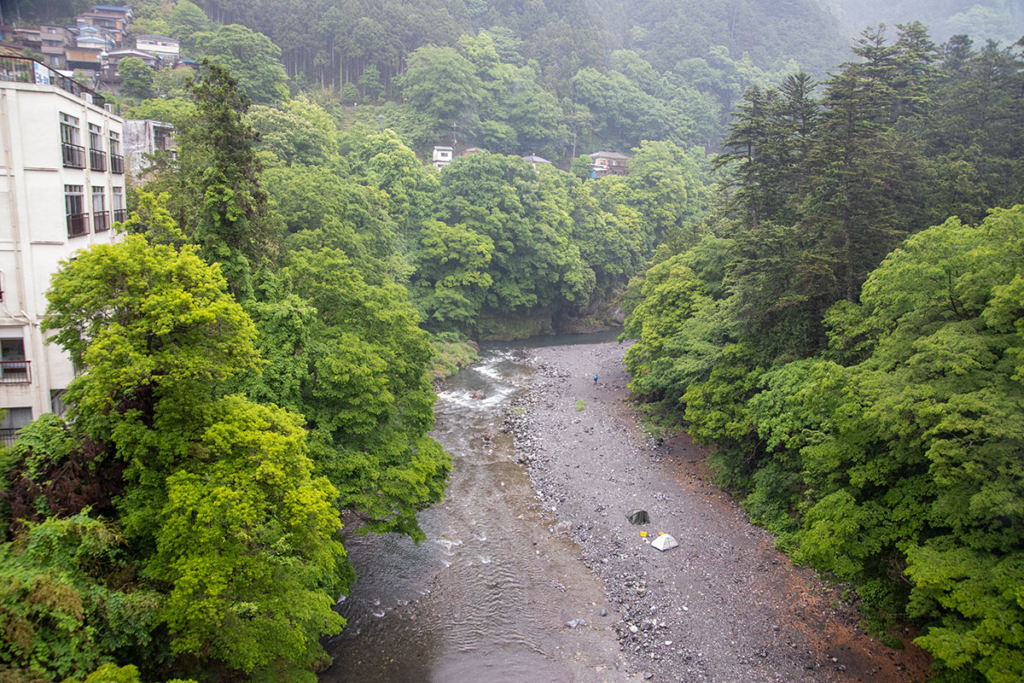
(595, 379)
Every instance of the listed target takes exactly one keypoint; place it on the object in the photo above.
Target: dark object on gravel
(638, 517)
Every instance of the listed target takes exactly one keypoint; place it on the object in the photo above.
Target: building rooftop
(25, 70)
(608, 155)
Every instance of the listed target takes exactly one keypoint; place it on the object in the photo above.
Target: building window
(14, 369)
(116, 160)
(74, 205)
(57, 405)
(100, 217)
(97, 159)
(120, 212)
(73, 152)
(14, 420)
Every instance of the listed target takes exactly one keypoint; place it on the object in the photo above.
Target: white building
(442, 156)
(163, 47)
(61, 188)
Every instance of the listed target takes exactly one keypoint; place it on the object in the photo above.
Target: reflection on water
(469, 603)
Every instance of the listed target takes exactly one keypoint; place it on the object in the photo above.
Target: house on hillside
(608, 163)
(55, 40)
(112, 20)
(469, 151)
(110, 60)
(167, 49)
(62, 187)
(442, 156)
(536, 161)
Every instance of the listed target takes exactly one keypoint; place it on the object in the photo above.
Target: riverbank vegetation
(858, 372)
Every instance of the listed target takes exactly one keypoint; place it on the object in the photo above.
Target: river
(490, 595)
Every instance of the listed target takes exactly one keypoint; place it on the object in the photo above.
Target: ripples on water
(460, 606)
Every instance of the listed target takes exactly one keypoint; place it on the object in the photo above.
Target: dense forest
(858, 372)
(821, 265)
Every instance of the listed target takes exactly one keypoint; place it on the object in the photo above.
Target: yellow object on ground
(643, 534)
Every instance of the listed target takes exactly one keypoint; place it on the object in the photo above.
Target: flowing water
(487, 596)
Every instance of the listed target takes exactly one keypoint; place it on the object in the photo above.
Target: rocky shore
(722, 606)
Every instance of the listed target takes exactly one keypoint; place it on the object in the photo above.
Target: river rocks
(706, 610)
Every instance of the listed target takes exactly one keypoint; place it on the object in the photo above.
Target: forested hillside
(1001, 20)
(826, 286)
(858, 372)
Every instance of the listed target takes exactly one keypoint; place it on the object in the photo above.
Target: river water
(490, 593)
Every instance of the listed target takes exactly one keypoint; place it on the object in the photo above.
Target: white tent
(664, 542)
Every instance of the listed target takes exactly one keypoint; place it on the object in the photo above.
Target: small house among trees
(608, 163)
(442, 156)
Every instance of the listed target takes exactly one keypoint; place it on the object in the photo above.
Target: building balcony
(74, 155)
(78, 224)
(15, 372)
(117, 164)
(97, 160)
(25, 70)
(100, 221)
(120, 215)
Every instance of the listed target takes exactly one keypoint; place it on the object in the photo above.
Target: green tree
(220, 202)
(159, 335)
(62, 613)
(250, 57)
(452, 278)
(136, 77)
(370, 83)
(186, 21)
(443, 84)
(349, 356)
(384, 162)
(299, 131)
(173, 83)
(526, 216)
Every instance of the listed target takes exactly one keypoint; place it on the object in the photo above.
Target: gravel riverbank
(724, 606)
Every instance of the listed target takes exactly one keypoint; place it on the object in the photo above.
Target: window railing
(8, 435)
(24, 70)
(117, 164)
(74, 155)
(78, 224)
(97, 160)
(15, 372)
(100, 221)
(120, 215)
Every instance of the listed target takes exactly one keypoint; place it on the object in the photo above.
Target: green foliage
(451, 354)
(526, 218)
(299, 132)
(442, 83)
(247, 542)
(174, 110)
(63, 610)
(581, 405)
(249, 57)
(219, 201)
(221, 506)
(111, 673)
(136, 77)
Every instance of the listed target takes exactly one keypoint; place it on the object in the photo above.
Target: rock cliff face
(600, 315)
